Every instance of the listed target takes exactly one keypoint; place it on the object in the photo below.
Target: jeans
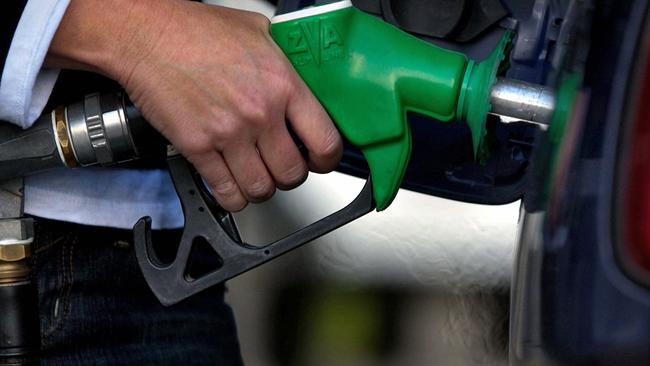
(96, 308)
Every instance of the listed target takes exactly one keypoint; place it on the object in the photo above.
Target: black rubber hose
(26, 151)
(19, 325)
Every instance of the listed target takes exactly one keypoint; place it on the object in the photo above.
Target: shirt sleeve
(25, 85)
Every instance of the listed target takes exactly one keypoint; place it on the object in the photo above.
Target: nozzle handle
(206, 221)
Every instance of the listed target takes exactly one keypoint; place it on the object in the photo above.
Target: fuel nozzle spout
(522, 101)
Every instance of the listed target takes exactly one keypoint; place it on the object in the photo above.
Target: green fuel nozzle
(368, 74)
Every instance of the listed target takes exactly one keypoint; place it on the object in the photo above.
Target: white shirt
(102, 197)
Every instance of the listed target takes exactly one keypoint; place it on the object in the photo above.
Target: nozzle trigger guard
(205, 219)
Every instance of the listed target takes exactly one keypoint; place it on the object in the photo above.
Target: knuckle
(260, 20)
(330, 146)
(225, 188)
(282, 77)
(226, 129)
(289, 81)
(254, 110)
(293, 176)
(194, 146)
(227, 194)
(289, 87)
(260, 189)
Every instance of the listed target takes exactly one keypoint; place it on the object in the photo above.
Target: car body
(577, 296)
(574, 298)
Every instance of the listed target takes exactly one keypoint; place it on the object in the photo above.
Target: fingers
(316, 130)
(249, 171)
(223, 186)
(282, 158)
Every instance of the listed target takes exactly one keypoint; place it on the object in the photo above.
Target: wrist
(106, 36)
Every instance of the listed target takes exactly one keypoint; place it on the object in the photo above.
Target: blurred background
(424, 283)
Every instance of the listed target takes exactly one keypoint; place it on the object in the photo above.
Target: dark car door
(580, 292)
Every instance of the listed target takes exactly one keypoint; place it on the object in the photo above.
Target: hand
(213, 82)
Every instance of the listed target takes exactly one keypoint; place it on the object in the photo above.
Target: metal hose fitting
(13, 262)
(19, 319)
(98, 130)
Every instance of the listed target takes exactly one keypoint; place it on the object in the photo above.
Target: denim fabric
(96, 309)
